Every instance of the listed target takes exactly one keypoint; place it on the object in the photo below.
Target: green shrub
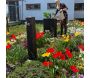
(46, 15)
(17, 54)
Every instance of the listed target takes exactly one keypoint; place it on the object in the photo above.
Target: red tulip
(59, 53)
(56, 55)
(8, 46)
(62, 57)
(13, 36)
(47, 63)
(74, 69)
(81, 46)
(39, 35)
(42, 33)
(68, 53)
(67, 49)
(51, 50)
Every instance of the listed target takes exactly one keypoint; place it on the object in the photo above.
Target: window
(51, 6)
(32, 6)
(79, 6)
(11, 2)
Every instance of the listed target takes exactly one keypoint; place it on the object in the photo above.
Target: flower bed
(60, 57)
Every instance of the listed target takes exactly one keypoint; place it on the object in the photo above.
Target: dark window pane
(12, 13)
(79, 6)
(32, 6)
(51, 6)
(11, 2)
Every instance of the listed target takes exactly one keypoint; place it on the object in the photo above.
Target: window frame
(50, 7)
(33, 6)
(79, 7)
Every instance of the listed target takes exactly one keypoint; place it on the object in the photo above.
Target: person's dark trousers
(63, 26)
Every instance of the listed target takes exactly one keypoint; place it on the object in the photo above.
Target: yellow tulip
(7, 33)
(77, 33)
(80, 67)
(66, 40)
(45, 55)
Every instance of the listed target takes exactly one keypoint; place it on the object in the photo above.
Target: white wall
(79, 14)
(79, 1)
(38, 14)
(6, 9)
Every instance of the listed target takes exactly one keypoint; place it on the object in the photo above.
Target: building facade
(36, 8)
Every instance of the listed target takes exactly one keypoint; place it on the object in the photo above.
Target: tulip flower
(8, 46)
(68, 53)
(74, 69)
(13, 37)
(47, 63)
(39, 35)
(57, 54)
(50, 50)
(62, 57)
(46, 55)
(81, 46)
(77, 33)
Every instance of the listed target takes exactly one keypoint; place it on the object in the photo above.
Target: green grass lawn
(22, 28)
(17, 29)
